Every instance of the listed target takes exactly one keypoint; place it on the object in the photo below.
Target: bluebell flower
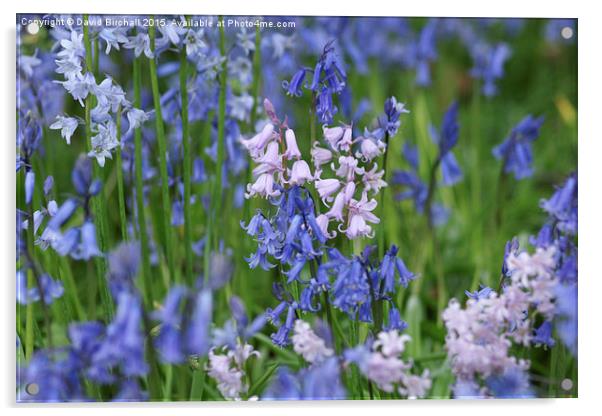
(515, 152)
(29, 185)
(563, 206)
(512, 384)
(123, 346)
(197, 338)
(483, 293)
(543, 335)
(566, 315)
(446, 140)
(415, 188)
(55, 372)
(395, 322)
(489, 65)
(391, 264)
(130, 391)
(81, 176)
(294, 87)
(51, 289)
(169, 339)
(511, 246)
(466, 389)
(124, 263)
(425, 52)
(351, 287)
(318, 382)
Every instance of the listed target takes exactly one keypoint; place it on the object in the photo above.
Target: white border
(590, 339)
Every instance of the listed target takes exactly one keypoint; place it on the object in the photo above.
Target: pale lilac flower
(257, 143)
(136, 118)
(370, 149)
(228, 370)
(336, 211)
(194, 42)
(103, 142)
(372, 179)
(320, 156)
(80, 86)
(415, 386)
(241, 106)
(67, 125)
(327, 187)
(348, 168)
(332, 135)
(140, 44)
(73, 47)
(322, 220)
(310, 346)
(300, 173)
(391, 343)
(292, 150)
(263, 186)
(28, 63)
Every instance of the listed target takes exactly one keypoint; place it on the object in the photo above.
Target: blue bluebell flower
(563, 206)
(169, 339)
(488, 65)
(294, 87)
(318, 382)
(197, 338)
(425, 51)
(55, 372)
(483, 293)
(391, 264)
(567, 315)
(515, 152)
(124, 263)
(512, 384)
(395, 322)
(446, 140)
(123, 346)
(543, 335)
(51, 289)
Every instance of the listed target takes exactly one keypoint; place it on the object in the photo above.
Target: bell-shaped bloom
(320, 156)
(263, 186)
(300, 173)
(327, 187)
(332, 135)
(257, 143)
(292, 150)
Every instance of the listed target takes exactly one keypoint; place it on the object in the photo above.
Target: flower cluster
(329, 78)
(228, 369)
(357, 179)
(515, 151)
(480, 336)
(380, 361)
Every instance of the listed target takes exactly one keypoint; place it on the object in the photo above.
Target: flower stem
(98, 203)
(120, 187)
(162, 145)
(187, 156)
(221, 125)
(142, 231)
(381, 228)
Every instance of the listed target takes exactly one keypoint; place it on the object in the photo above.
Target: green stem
(187, 156)
(98, 203)
(381, 227)
(221, 124)
(162, 145)
(142, 231)
(120, 187)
